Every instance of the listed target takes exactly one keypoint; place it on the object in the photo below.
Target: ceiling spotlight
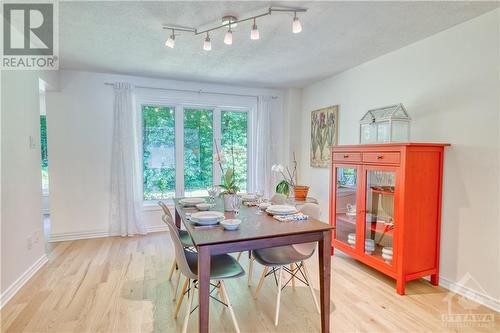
(228, 37)
(296, 25)
(254, 34)
(207, 44)
(171, 40)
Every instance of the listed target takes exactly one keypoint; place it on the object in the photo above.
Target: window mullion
(217, 139)
(179, 151)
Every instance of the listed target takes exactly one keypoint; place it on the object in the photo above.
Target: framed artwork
(324, 131)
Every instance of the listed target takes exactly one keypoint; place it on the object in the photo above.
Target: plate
(281, 210)
(207, 216)
(191, 201)
(203, 206)
(248, 197)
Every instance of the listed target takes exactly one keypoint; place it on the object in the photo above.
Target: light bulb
(171, 41)
(296, 26)
(207, 44)
(254, 34)
(228, 37)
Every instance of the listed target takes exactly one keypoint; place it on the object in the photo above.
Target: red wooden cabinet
(386, 207)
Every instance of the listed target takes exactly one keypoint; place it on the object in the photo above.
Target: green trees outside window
(158, 125)
(158, 135)
(45, 160)
(198, 150)
(234, 144)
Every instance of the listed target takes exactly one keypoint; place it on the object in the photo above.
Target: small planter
(228, 202)
(300, 192)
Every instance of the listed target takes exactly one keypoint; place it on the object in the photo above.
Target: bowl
(203, 206)
(231, 224)
(264, 205)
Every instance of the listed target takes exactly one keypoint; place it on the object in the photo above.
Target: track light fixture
(228, 37)
(231, 22)
(254, 33)
(171, 40)
(207, 44)
(296, 25)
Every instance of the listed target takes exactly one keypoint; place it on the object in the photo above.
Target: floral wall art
(324, 130)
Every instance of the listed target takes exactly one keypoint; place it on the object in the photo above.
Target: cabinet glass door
(379, 214)
(345, 205)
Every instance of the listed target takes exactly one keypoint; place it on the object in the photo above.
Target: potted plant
(229, 182)
(289, 182)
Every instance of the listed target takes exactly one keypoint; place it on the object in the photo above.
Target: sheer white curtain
(268, 143)
(126, 196)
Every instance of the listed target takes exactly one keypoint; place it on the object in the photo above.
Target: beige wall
(449, 84)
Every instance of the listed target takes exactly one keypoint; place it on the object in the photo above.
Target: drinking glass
(212, 193)
(236, 204)
(259, 194)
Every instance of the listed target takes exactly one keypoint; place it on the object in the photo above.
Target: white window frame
(181, 101)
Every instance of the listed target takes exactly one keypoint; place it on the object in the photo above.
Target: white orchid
(219, 157)
(278, 168)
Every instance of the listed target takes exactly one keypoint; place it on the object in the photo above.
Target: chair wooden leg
(229, 306)
(278, 298)
(188, 310)
(261, 282)
(179, 303)
(239, 256)
(309, 282)
(292, 268)
(172, 270)
(220, 293)
(250, 268)
(176, 287)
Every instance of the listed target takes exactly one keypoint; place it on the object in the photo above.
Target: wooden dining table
(255, 232)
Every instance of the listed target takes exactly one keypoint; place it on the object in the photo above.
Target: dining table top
(253, 225)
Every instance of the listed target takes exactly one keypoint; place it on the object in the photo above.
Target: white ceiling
(127, 37)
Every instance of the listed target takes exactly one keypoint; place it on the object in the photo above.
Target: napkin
(291, 218)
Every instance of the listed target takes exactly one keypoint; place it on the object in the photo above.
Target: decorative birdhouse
(387, 124)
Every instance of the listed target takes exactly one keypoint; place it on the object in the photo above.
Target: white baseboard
(68, 236)
(21, 281)
(471, 294)
(157, 228)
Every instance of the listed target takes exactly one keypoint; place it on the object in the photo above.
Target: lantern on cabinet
(387, 124)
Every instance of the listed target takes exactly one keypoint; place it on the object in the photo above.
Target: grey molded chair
(183, 234)
(222, 267)
(278, 199)
(278, 258)
(186, 241)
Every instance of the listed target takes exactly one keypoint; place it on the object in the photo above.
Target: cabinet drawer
(347, 157)
(380, 157)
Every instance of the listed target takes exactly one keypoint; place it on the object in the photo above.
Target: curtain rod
(200, 91)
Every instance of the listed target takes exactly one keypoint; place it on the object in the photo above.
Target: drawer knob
(379, 157)
(346, 156)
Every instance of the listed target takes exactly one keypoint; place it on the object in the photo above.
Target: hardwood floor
(120, 285)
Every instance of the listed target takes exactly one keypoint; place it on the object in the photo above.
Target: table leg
(203, 287)
(324, 279)
(177, 219)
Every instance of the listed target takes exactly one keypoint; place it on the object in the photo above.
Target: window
(178, 144)
(234, 130)
(158, 142)
(45, 160)
(198, 147)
